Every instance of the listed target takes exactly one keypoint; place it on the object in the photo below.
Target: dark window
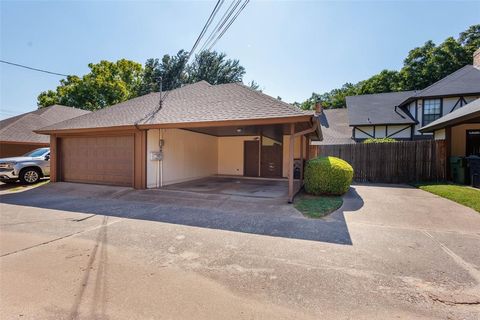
(432, 110)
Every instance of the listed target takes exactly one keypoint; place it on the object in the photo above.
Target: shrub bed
(328, 175)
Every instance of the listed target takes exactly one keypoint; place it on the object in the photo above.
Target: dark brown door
(272, 161)
(251, 158)
(100, 160)
(473, 142)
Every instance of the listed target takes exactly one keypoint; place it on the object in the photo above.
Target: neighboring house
(16, 133)
(199, 130)
(460, 128)
(400, 115)
(335, 127)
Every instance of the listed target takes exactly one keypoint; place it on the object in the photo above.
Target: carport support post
(290, 162)
(301, 160)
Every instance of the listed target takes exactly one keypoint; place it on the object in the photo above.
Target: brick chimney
(476, 58)
(318, 108)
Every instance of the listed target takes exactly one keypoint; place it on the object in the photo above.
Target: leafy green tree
(422, 67)
(385, 81)
(470, 39)
(106, 84)
(214, 68)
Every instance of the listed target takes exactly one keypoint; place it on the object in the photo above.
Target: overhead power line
(34, 69)
(221, 22)
(229, 24)
(190, 53)
(217, 7)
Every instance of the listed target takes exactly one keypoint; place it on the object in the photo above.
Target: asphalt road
(391, 252)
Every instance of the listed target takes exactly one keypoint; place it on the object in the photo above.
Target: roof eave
(452, 122)
(181, 125)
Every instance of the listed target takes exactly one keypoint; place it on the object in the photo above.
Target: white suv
(29, 168)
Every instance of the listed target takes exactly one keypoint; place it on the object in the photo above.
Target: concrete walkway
(90, 252)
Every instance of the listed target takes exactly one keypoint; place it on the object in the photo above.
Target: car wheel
(30, 176)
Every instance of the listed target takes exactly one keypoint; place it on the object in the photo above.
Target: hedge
(328, 175)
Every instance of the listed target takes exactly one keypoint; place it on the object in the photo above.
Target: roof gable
(464, 81)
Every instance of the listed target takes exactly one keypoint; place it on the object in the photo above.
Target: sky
(291, 48)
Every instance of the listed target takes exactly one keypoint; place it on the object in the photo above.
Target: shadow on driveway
(223, 212)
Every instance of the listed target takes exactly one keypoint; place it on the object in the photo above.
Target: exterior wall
(17, 149)
(399, 131)
(382, 131)
(440, 134)
(230, 154)
(186, 156)
(459, 138)
(296, 153)
(448, 105)
(368, 132)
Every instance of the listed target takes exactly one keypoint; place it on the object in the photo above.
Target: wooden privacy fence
(397, 162)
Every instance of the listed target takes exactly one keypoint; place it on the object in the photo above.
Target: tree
(214, 68)
(470, 39)
(106, 84)
(422, 67)
(109, 83)
(385, 81)
(255, 86)
(174, 71)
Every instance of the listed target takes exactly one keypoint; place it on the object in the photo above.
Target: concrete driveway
(90, 252)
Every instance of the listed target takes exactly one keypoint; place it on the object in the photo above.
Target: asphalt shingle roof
(20, 128)
(468, 111)
(380, 108)
(335, 128)
(463, 81)
(198, 102)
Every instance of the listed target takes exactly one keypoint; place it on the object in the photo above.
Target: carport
(200, 131)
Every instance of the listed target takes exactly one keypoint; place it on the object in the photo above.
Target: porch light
(239, 130)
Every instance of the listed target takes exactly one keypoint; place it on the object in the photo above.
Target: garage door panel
(102, 160)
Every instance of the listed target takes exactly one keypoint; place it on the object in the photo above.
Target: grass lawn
(467, 196)
(317, 206)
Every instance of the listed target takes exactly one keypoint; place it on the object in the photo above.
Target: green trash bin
(457, 169)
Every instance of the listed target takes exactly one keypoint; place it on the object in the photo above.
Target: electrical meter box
(156, 155)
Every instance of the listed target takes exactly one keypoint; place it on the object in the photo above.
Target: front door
(251, 158)
(272, 161)
(473, 142)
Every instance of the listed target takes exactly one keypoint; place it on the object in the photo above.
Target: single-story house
(17, 135)
(198, 130)
(460, 129)
(401, 115)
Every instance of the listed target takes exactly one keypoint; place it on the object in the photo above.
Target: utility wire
(34, 69)
(217, 7)
(221, 22)
(190, 53)
(229, 24)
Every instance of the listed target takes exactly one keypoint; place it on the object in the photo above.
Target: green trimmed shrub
(328, 175)
(379, 140)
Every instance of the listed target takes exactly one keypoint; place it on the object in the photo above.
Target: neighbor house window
(432, 110)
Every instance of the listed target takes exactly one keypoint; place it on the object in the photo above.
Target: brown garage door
(101, 160)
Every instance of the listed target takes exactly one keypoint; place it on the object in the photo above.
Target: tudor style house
(401, 115)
